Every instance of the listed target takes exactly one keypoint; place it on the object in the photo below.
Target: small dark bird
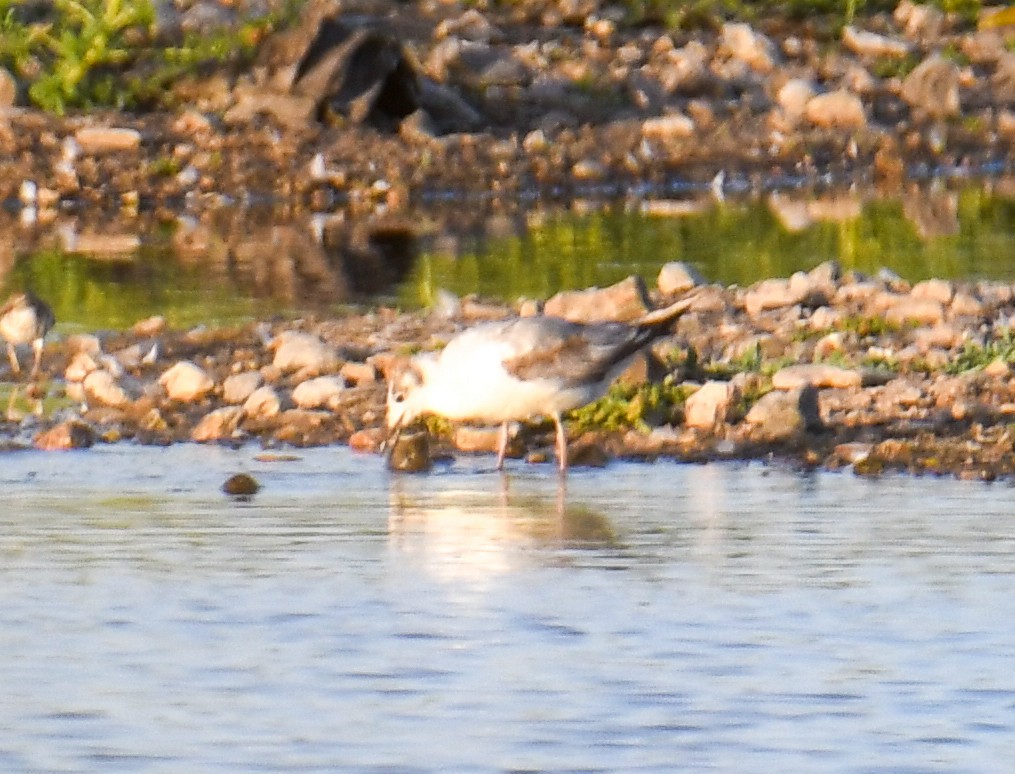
(25, 319)
(515, 369)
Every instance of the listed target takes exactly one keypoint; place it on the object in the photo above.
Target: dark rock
(411, 454)
(66, 435)
(241, 485)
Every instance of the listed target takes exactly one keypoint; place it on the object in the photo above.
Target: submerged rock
(241, 485)
(411, 454)
(66, 435)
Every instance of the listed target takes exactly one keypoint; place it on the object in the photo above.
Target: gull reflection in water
(460, 533)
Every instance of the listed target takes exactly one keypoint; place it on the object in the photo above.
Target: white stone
(101, 387)
(297, 351)
(793, 97)
(238, 387)
(218, 424)
(816, 374)
(81, 364)
(668, 127)
(741, 42)
(322, 392)
(709, 406)
(870, 44)
(678, 277)
(263, 403)
(186, 381)
(839, 109)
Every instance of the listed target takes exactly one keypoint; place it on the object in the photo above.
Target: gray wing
(571, 353)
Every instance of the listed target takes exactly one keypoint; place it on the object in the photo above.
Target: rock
(907, 310)
(186, 382)
(99, 140)
(291, 111)
(358, 373)
(780, 415)
(709, 407)
(932, 89)
(921, 22)
(811, 291)
(678, 277)
(298, 351)
(965, 305)
(411, 454)
(238, 387)
(149, 327)
(241, 485)
(101, 387)
(933, 290)
(217, 425)
(263, 403)
(770, 294)
(686, 69)
(873, 46)
(668, 127)
(471, 25)
(836, 110)
(742, 43)
(81, 364)
(320, 392)
(817, 375)
(793, 97)
(623, 302)
(368, 440)
(8, 89)
(66, 435)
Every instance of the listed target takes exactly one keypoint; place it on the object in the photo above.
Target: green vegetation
(973, 357)
(84, 53)
(625, 407)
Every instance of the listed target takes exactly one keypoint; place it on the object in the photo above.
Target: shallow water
(664, 617)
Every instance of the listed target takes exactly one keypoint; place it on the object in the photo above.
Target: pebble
(98, 140)
(837, 109)
(933, 87)
(817, 375)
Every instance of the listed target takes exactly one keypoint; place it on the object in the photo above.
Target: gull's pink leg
(502, 443)
(561, 443)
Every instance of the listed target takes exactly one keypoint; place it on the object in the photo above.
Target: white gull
(521, 368)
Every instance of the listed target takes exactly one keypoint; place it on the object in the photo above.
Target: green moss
(625, 407)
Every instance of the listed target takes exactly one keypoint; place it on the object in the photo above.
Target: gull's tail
(658, 318)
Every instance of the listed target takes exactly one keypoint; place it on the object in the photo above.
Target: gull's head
(405, 396)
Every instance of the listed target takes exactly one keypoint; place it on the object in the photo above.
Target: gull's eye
(398, 397)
